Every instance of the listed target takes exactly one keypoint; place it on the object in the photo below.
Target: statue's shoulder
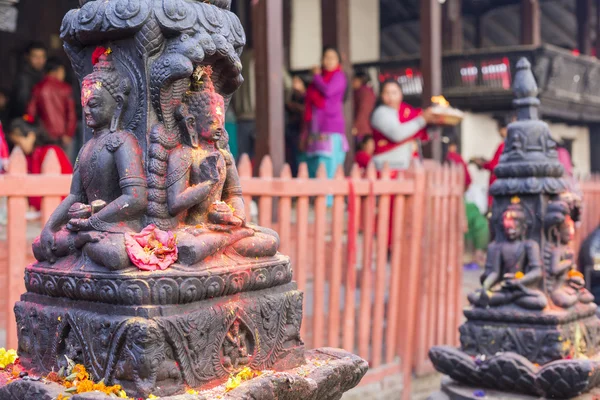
(531, 244)
(229, 160)
(116, 139)
(494, 247)
(180, 161)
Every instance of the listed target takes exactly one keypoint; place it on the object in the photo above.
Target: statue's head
(560, 226)
(202, 112)
(235, 328)
(104, 93)
(514, 222)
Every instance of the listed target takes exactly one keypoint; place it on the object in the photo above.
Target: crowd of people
(39, 114)
(385, 128)
(386, 131)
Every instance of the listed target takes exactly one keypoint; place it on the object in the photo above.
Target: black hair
(363, 76)
(452, 140)
(383, 85)
(53, 64)
(24, 127)
(332, 48)
(505, 120)
(35, 46)
(363, 142)
(305, 80)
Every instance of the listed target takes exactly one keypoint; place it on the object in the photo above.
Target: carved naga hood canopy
(218, 34)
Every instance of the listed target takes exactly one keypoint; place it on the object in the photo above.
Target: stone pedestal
(163, 332)
(149, 272)
(326, 375)
(452, 390)
(532, 329)
(541, 337)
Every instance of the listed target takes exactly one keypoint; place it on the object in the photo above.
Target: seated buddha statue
(108, 193)
(565, 285)
(513, 271)
(203, 186)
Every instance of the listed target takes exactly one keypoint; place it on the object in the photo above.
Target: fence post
(383, 232)
(442, 246)
(265, 203)
(50, 166)
(414, 274)
(399, 250)
(17, 237)
(337, 250)
(245, 171)
(302, 237)
(353, 224)
(366, 281)
(285, 213)
(319, 264)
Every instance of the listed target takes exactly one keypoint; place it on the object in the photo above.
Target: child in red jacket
(35, 144)
(365, 152)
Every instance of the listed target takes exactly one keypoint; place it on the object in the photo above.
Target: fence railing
(386, 302)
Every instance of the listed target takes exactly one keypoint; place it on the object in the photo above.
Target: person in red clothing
(34, 142)
(52, 103)
(364, 103)
(4, 153)
(490, 165)
(366, 148)
(478, 234)
(454, 157)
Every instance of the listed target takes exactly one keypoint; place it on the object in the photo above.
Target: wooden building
(468, 54)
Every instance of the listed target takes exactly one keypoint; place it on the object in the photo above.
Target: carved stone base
(452, 390)
(78, 278)
(161, 349)
(541, 336)
(326, 375)
(510, 372)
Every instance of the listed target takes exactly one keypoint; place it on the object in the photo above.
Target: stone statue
(564, 283)
(513, 271)
(149, 273)
(108, 192)
(235, 348)
(533, 329)
(203, 187)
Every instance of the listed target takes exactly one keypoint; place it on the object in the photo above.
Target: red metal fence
(388, 304)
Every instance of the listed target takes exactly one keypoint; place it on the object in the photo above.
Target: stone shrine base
(326, 375)
(510, 372)
(452, 390)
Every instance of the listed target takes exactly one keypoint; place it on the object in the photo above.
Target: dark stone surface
(326, 375)
(532, 328)
(452, 390)
(177, 285)
(149, 273)
(541, 337)
(171, 346)
(511, 372)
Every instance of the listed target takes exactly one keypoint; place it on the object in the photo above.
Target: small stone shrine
(532, 328)
(149, 273)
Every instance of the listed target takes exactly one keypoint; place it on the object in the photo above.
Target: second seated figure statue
(565, 285)
(203, 186)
